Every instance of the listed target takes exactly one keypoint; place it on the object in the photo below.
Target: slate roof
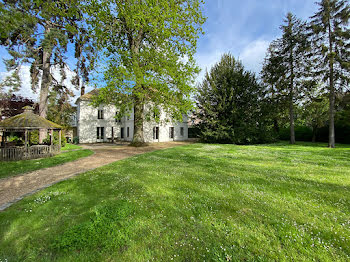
(88, 96)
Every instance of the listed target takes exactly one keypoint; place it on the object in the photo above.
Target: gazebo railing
(32, 152)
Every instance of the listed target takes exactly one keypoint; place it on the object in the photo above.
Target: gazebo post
(26, 138)
(51, 137)
(3, 138)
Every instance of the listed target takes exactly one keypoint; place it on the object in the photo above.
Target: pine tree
(231, 105)
(39, 33)
(285, 66)
(330, 34)
(273, 76)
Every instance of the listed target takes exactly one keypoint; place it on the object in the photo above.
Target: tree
(330, 34)
(149, 48)
(231, 105)
(284, 69)
(39, 33)
(13, 105)
(273, 76)
(316, 113)
(60, 110)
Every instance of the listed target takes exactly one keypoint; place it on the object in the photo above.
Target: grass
(193, 203)
(12, 168)
(69, 147)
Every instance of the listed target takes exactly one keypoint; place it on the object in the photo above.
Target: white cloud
(253, 55)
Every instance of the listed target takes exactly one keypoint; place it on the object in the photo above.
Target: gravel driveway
(13, 189)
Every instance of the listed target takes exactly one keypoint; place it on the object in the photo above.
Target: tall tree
(149, 48)
(39, 33)
(231, 106)
(285, 65)
(273, 76)
(316, 113)
(60, 109)
(330, 34)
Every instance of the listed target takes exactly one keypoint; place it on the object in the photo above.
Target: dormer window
(100, 114)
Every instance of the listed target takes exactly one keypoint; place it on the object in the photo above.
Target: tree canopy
(149, 49)
(39, 33)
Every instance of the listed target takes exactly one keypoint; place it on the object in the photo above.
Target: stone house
(99, 124)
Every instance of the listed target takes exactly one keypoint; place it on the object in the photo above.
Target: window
(100, 133)
(156, 132)
(127, 132)
(171, 132)
(100, 114)
(122, 132)
(181, 131)
(117, 120)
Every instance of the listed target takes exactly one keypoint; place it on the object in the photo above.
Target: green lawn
(192, 203)
(12, 168)
(69, 147)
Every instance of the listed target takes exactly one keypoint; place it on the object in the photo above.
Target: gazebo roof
(27, 120)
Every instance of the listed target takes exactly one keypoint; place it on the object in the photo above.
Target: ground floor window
(171, 132)
(181, 131)
(127, 132)
(156, 132)
(100, 132)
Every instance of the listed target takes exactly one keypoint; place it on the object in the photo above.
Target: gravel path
(15, 188)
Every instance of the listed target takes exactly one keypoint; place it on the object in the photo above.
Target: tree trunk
(138, 121)
(331, 141)
(44, 88)
(138, 95)
(291, 103)
(291, 120)
(314, 133)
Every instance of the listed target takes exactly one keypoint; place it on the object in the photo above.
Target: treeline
(302, 88)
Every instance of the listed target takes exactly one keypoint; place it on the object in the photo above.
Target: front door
(122, 132)
(171, 133)
(100, 134)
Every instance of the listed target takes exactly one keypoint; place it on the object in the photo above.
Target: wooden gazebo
(25, 123)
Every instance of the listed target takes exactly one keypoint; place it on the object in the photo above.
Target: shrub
(76, 140)
(302, 133)
(34, 137)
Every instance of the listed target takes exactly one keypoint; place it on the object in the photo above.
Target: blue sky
(243, 27)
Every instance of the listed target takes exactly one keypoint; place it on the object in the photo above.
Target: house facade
(99, 124)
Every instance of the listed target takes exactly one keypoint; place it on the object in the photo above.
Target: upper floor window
(100, 114)
(117, 120)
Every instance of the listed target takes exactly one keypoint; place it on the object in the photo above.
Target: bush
(34, 137)
(76, 140)
(302, 133)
